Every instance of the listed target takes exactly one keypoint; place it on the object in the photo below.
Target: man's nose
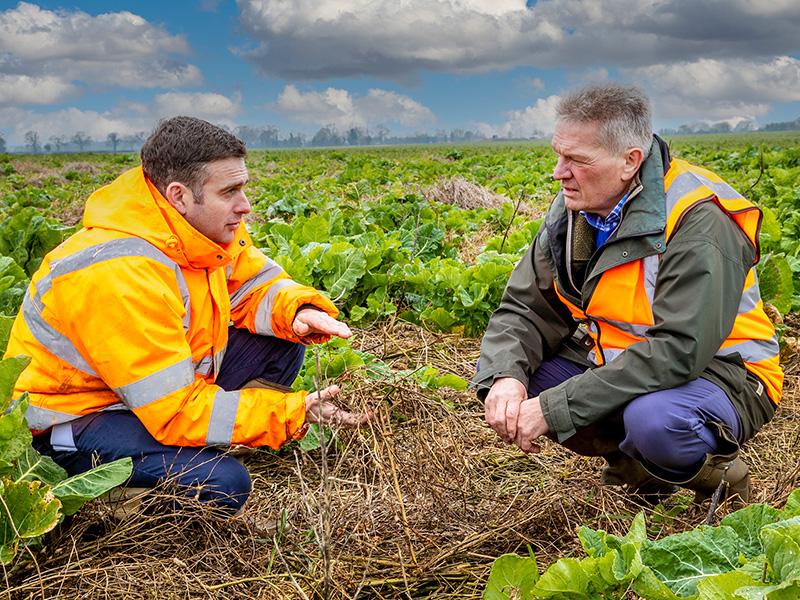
(243, 205)
(562, 170)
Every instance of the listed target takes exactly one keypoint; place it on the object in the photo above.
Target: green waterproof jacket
(693, 312)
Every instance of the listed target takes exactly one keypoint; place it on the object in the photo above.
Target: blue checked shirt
(605, 227)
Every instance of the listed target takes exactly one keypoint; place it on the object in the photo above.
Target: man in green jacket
(633, 327)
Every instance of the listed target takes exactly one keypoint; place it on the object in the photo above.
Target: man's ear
(179, 196)
(633, 160)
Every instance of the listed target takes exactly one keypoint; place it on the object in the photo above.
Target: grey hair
(624, 113)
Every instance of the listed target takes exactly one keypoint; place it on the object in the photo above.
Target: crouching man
(655, 258)
(159, 332)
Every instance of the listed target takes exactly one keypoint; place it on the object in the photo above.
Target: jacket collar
(646, 209)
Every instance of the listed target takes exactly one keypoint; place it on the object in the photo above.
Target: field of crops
(414, 244)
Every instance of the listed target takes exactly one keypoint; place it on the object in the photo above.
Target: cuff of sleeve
(296, 426)
(483, 380)
(288, 301)
(555, 409)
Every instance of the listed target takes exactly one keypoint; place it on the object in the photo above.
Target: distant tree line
(783, 126)
(78, 142)
(268, 136)
(264, 136)
(725, 127)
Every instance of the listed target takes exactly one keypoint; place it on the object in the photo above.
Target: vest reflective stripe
(223, 417)
(270, 270)
(263, 320)
(157, 385)
(57, 344)
(632, 329)
(751, 298)
(750, 350)
(692, 184)
(611, 353)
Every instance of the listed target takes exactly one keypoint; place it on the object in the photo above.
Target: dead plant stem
(326, 487)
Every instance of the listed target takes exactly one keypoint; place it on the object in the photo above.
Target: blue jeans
(218, 477)
(667, 430)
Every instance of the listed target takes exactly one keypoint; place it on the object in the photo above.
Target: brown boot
(730, 471)
(630, 474)
(724, 468)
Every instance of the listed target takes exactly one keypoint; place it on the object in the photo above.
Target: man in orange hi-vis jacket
(148, 328)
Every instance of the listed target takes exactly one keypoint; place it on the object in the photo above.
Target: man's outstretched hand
(319, 410)
(310, 321)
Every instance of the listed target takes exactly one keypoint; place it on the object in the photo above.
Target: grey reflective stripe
(263, 320)
(751, 297)
(51, 339)
(45, 418)
(223, 417)
(157, 385)
(753, 350)
(228, 271)
(61, 438)
(634, 329)
(611, 354)
(218, 361)
(118, 248)
(650, 275)
(270, 270)
(203, 366)
(592, 356)
(690, 181)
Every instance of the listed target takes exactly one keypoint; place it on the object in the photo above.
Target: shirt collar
(610, 222)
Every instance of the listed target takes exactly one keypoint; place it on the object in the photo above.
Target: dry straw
(418, 504)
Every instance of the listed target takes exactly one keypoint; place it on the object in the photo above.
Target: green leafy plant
(754, 554)
(28, 236)
(35, 493)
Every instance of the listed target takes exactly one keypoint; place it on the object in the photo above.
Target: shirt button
(624, 254)
(658, 245)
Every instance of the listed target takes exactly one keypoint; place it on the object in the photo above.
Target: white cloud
(392, 39)
(535, 121)
(340, 108)
(23, 90)
(56, 49)
(719, 89)
(126, 119)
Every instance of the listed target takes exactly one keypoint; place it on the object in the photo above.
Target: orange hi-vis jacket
(619, 311)
(132, 312)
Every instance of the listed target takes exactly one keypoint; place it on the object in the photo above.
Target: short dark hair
(623, 112)
(180, 148)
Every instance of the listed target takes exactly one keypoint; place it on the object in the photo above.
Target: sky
(497, 66)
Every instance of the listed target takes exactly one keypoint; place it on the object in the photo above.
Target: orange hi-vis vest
(619, 311)
(132, 312)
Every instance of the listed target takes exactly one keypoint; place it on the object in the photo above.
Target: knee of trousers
(663, 439)
(228, 485)
(217, 479)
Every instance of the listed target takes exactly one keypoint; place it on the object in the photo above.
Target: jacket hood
(131, 205)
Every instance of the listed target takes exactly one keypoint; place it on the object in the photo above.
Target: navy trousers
(667, 430)
(208, 474)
